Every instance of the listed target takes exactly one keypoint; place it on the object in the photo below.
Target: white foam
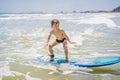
(52, 72)
(42, 65)
(107, 76)
(9, 59)
(68, 69)
(26, 16)
(78, 39)
(96, 54)
(96, 19)
(30, 78)
(88, 31)
(67, 72)
(27, 77)
(13, 16)
(48, 15)
(5, 71)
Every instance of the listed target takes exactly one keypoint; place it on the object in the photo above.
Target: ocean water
(22, 38)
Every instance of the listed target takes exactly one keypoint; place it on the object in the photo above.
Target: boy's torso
(59, 34)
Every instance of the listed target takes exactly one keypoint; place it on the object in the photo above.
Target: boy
(61, 37)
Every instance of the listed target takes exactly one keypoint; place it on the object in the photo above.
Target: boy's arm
(66, 36)
(48, 38)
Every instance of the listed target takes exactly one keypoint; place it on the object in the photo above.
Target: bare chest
(58, 34)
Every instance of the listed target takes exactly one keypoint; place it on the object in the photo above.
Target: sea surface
(22, 38)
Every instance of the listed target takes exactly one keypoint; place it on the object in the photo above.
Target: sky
(18, 6)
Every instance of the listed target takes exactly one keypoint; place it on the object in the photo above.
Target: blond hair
(53, 21)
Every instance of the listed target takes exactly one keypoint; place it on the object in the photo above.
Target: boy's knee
(65, 46)
(50, 46)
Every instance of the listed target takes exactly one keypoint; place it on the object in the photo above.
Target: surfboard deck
(82, 62)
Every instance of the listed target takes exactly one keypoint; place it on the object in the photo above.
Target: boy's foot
(67, 60)
(52, 57)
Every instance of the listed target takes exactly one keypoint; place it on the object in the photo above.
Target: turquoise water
(22, 38)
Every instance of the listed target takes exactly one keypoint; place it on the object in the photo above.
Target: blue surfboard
(83, 62)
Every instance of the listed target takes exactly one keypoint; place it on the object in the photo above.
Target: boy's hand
(46, 44)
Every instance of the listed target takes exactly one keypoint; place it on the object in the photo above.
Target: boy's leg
(66, 50)
(51, 50)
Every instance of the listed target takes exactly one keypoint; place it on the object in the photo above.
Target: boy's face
(55, 25)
